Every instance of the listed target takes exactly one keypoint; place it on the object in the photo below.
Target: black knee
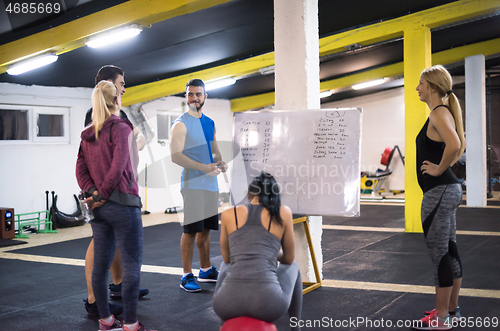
(445, 272)
(453, 251)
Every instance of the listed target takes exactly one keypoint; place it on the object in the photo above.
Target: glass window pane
(13, 124)
(163, 126)
(50, 125)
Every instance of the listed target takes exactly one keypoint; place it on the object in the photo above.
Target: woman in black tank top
(440, 144)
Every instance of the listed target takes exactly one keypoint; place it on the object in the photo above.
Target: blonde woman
(440, 144)
(106, 169)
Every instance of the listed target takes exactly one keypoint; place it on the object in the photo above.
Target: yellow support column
(417, 57)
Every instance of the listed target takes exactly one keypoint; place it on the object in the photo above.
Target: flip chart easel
(309, 285)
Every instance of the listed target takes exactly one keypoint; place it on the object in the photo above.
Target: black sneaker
(115, 291)
(92, 308)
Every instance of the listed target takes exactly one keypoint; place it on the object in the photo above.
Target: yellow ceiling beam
(434, 17)
(486, 48)
(72, 35)
(252, 102)
(174, 85)
(387, 71)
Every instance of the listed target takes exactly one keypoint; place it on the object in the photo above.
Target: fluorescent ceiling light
(266, 70)
(217, 83)
(31, 64)
(368, 84)
(113, 36)
(325, 94)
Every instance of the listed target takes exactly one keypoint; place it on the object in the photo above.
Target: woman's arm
(82, 172)
(288, 240)
(224, 243)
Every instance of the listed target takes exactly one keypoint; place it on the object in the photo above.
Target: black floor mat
(44, 296)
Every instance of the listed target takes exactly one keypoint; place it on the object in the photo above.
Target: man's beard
(194, 107)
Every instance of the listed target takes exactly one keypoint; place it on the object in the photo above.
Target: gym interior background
(208, 39)
(216, 35)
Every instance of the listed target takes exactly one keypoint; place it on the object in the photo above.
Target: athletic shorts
(200, 210)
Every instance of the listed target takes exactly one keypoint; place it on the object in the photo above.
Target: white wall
(383, 125)
(28, 170)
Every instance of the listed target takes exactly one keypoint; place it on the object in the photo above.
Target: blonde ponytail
(103, 100)
(456, 111)
(440, 79)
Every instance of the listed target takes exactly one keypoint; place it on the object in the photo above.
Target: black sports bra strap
(445, 106)
(235, 217)
(269, 227)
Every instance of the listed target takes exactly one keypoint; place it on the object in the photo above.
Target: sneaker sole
(115, 329)
(206, 280)
(190, 291)
(119, 296)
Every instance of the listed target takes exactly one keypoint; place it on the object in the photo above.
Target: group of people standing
(255, 236)
(106, 171)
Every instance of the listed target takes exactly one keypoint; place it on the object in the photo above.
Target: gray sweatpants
(439, 207)
(265, 301)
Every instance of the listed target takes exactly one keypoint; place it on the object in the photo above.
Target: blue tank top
(253, 251)
(431, 150)
(199, 131)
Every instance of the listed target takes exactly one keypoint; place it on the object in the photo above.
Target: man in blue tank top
(194, 147)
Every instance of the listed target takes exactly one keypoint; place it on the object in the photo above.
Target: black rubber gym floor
(357, 264)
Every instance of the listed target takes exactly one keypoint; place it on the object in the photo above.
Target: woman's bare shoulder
(286, 213)
(229, 210)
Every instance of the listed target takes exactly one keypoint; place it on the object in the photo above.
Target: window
(33, 124)
(14, 124)
(164, 119)
(164, 122)
(51, 124)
